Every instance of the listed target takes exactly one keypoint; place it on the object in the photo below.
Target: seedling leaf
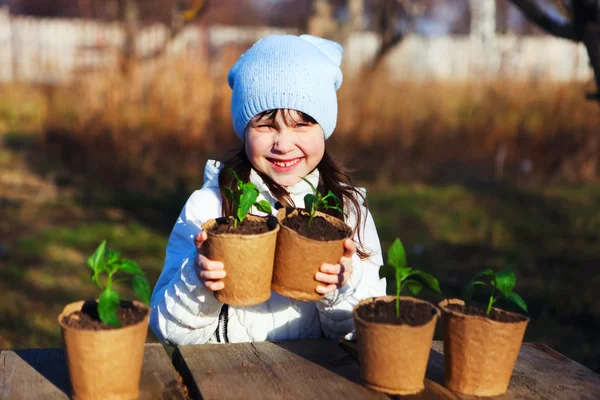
(110, 263)
(396, 255)
(414, 287)
(387, 271)
(97, 258)
(235, 176)
(518, 301)
(107, 307)
(228, 193)
(468, 292)
(309, 202)
(243, 197)
(502, 282)
(247, 199)
(141, 287)
(430, 281)
(505, 281)
(314, 201)
(131, 267)
(263, 206)
(314, 189)
(397, 268)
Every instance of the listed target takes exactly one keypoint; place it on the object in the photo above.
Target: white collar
(300, 188)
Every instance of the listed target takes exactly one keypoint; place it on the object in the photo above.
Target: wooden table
(296, 369)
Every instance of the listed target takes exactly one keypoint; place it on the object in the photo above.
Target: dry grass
(161, 122)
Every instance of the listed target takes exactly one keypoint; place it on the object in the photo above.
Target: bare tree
(182, 12)
(387, 15)
(581, 23)
(323, 21)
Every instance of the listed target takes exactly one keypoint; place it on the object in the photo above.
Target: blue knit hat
(284, 71)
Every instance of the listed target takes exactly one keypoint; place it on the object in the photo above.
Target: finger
(349, 248)
(210, 265)
(326, 289)
(328, 278)
(214, 285)
(206, 264)
(330, 268)
(199, 239)
(212, 275)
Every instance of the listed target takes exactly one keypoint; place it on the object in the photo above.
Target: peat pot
(107, 363)
(247, 258)
(298, 258)
(393, 358)
(479, 352)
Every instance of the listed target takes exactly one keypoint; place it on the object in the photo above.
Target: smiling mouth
(281, 163)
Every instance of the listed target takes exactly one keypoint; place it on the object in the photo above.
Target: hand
(210, 272)
(334, 276)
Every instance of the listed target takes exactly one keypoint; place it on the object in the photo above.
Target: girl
(284, 107)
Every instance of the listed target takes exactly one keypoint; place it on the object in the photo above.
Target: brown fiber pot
(248, 261)
(298, 258)
(479, 353)
(393, 358)
(104, 364)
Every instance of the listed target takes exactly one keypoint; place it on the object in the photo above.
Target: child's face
(284, 146)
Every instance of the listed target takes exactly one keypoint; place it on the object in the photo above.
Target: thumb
(199, 239)
(349, 248)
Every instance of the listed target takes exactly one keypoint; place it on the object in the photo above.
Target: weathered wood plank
(540, 373)
(33, 374)
(43, 374)
(159, 379)
(266, 370)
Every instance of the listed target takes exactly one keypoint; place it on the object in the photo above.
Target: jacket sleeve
(335, 309)
(183, 311)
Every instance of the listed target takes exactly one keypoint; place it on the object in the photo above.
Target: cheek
(312, 146)
(256, 145)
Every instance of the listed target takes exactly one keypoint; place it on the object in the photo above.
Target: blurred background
(474, 125)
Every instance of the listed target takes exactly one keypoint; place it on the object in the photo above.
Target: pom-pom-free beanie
(284, 71)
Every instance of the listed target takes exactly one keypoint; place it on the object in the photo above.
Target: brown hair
(332, 176)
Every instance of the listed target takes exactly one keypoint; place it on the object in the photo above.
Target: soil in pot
(246, 227)
(412, 314)
(88, 318)
(319, 229)
(479, 311)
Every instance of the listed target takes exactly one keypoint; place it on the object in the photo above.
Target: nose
(284, 142)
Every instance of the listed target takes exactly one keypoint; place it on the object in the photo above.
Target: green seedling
(314, 202)
(243, 198)
(396, 268)
(110, 262)
(500, 283)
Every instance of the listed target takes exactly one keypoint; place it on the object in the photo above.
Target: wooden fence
(54, 50)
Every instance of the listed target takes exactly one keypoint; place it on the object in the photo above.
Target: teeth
(286, 164)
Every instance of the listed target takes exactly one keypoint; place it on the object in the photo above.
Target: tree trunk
(386, 21)
(591, 39)
(129, 14)
(483, 19)
(322, 23)
(583, 27)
